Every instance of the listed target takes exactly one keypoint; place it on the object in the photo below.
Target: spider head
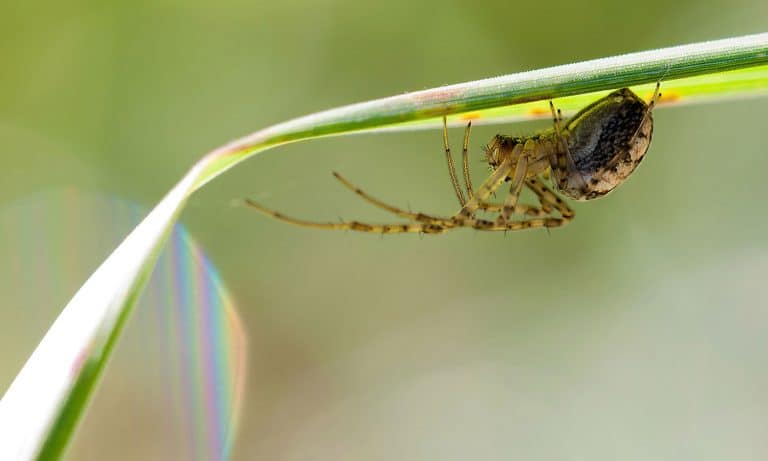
(500, 148)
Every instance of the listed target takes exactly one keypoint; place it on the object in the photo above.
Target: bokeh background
(638, 331)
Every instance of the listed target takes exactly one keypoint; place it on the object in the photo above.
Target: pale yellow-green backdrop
(636, 332)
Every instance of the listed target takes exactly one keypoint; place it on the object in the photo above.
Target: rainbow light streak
(192, 340)
(209, 338)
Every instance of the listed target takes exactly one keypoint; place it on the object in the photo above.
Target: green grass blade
(683, 69)
(735, 84)
(40, 411)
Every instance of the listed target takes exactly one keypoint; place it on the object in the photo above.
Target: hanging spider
(586, 157)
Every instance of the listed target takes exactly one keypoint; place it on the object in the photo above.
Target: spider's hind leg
(425, 224)
(563, 161)
(651, 105)
(550, 200)
(421, 217)
(418, 228)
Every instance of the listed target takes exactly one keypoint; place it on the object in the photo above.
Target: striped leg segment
(465, 161)
(451, 168)
(421, 217)
(420, 228)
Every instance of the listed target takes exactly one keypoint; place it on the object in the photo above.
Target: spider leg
(549, 199)
(451, 168)
(521, 169)
(549, 202)
(421, 217)
(488, 187)
(651, 104)
(520, 209)
(563, 157)
(656, 96)
(421, 228)
(435, 225)
(465, 160)
(525, 224)
(427, 224)
(545, 219)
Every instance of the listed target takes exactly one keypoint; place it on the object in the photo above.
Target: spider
(586, 158)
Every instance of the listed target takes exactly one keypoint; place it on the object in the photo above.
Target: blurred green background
(636, 331)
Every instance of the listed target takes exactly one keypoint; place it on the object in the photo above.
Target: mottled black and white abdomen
(606, 141)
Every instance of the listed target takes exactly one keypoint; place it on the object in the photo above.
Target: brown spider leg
(420, 228)
(421, 217)
(649, 109)
(465, 159)
(437, 227)
(527, 210)
(565, 160)
(489, 186)
(521, 169)
(521, 209)
(451, 168)
(526, 224)
(549, 199)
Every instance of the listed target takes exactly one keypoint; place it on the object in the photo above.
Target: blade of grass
(40, 411)
(735, 84)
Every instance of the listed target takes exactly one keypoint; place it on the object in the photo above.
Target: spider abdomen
(605, 142)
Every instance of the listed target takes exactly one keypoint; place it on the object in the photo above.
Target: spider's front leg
(549, 203)
(488, 187)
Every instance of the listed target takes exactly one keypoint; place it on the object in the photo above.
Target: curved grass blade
(192, 343)
(39, 412)
(736, 84)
